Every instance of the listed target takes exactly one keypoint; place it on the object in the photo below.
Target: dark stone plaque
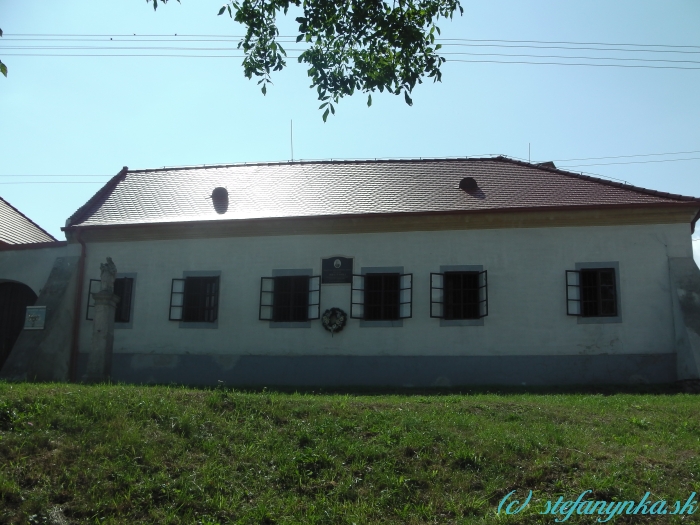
(336, 270)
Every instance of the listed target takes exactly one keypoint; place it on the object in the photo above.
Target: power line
(446, 42)
(143, 55)
(568, 64)
(572, 43)
(63, 35)
(644, 60)
(629, 156)
(630, 162)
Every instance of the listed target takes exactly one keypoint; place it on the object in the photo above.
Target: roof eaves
(28, 219)
(692, 223)
(5, 247)
(519, 209)
(104, 191)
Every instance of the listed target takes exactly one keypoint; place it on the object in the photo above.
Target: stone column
(100, 358)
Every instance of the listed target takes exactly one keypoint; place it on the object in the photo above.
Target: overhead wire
(196, 52)
(294, 36)
(643, 60)
(629, 156)
(627, 162)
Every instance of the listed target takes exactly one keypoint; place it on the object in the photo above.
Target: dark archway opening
(14, 299)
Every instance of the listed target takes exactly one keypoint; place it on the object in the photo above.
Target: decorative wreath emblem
(334, 320)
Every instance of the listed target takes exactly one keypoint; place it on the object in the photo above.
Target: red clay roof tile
(17, 228)
(322, 188)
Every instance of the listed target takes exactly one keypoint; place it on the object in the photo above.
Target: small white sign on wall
(35, 318)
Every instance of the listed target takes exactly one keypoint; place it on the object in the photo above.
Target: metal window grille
(201, 301)
(290, 298)
(382, 296)
(591, 292)
(194, 299)
(598, 294)
(459, 295)
(123, 288)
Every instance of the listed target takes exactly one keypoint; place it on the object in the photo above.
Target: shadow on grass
(662, 389)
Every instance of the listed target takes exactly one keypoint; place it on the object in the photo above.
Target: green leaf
(323, 105)
(369, 100)
(0, 32)
(332, 109)
(264, 89)
(229, 11)
(300, 38)
(221, 11)
(3, 68)
(325, 115)
(408, 99)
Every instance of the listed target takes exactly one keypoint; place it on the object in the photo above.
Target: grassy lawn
(124, 454)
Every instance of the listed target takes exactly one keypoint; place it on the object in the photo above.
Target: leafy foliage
(352, 45)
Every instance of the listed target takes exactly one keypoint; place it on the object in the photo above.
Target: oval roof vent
(468, 184)
(219, 198)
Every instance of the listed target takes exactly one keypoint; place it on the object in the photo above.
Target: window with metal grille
(290, 298)
(591, 292)
(381, 296)
(123, 288)
(195, 299)
(458, 295)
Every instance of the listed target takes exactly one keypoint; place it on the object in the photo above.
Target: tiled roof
(320, 188)
(17, 228)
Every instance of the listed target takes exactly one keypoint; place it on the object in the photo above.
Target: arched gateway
(14, 299)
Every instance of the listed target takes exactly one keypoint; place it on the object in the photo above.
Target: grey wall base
(441, 371)
(44, 355)
(685, 292)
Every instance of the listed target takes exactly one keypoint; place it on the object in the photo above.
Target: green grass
(124, 454)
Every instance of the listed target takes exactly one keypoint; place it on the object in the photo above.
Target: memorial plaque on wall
(35, 318)
(336, 270)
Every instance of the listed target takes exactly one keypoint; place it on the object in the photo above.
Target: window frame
(267, 297)
(195, 324)
(436, 297)
(599, 319)
(357, 297)
(119, 325)
(94, 286)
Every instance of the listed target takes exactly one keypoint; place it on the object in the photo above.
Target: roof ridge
(102, 192)
(317, 161)
(30, 221)
(497, 158)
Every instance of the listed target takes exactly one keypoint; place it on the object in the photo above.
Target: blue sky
(93, 115)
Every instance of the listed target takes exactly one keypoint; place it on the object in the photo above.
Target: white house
(450, 271)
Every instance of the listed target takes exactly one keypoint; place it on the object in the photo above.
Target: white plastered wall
(32, 266)
(527, 302)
